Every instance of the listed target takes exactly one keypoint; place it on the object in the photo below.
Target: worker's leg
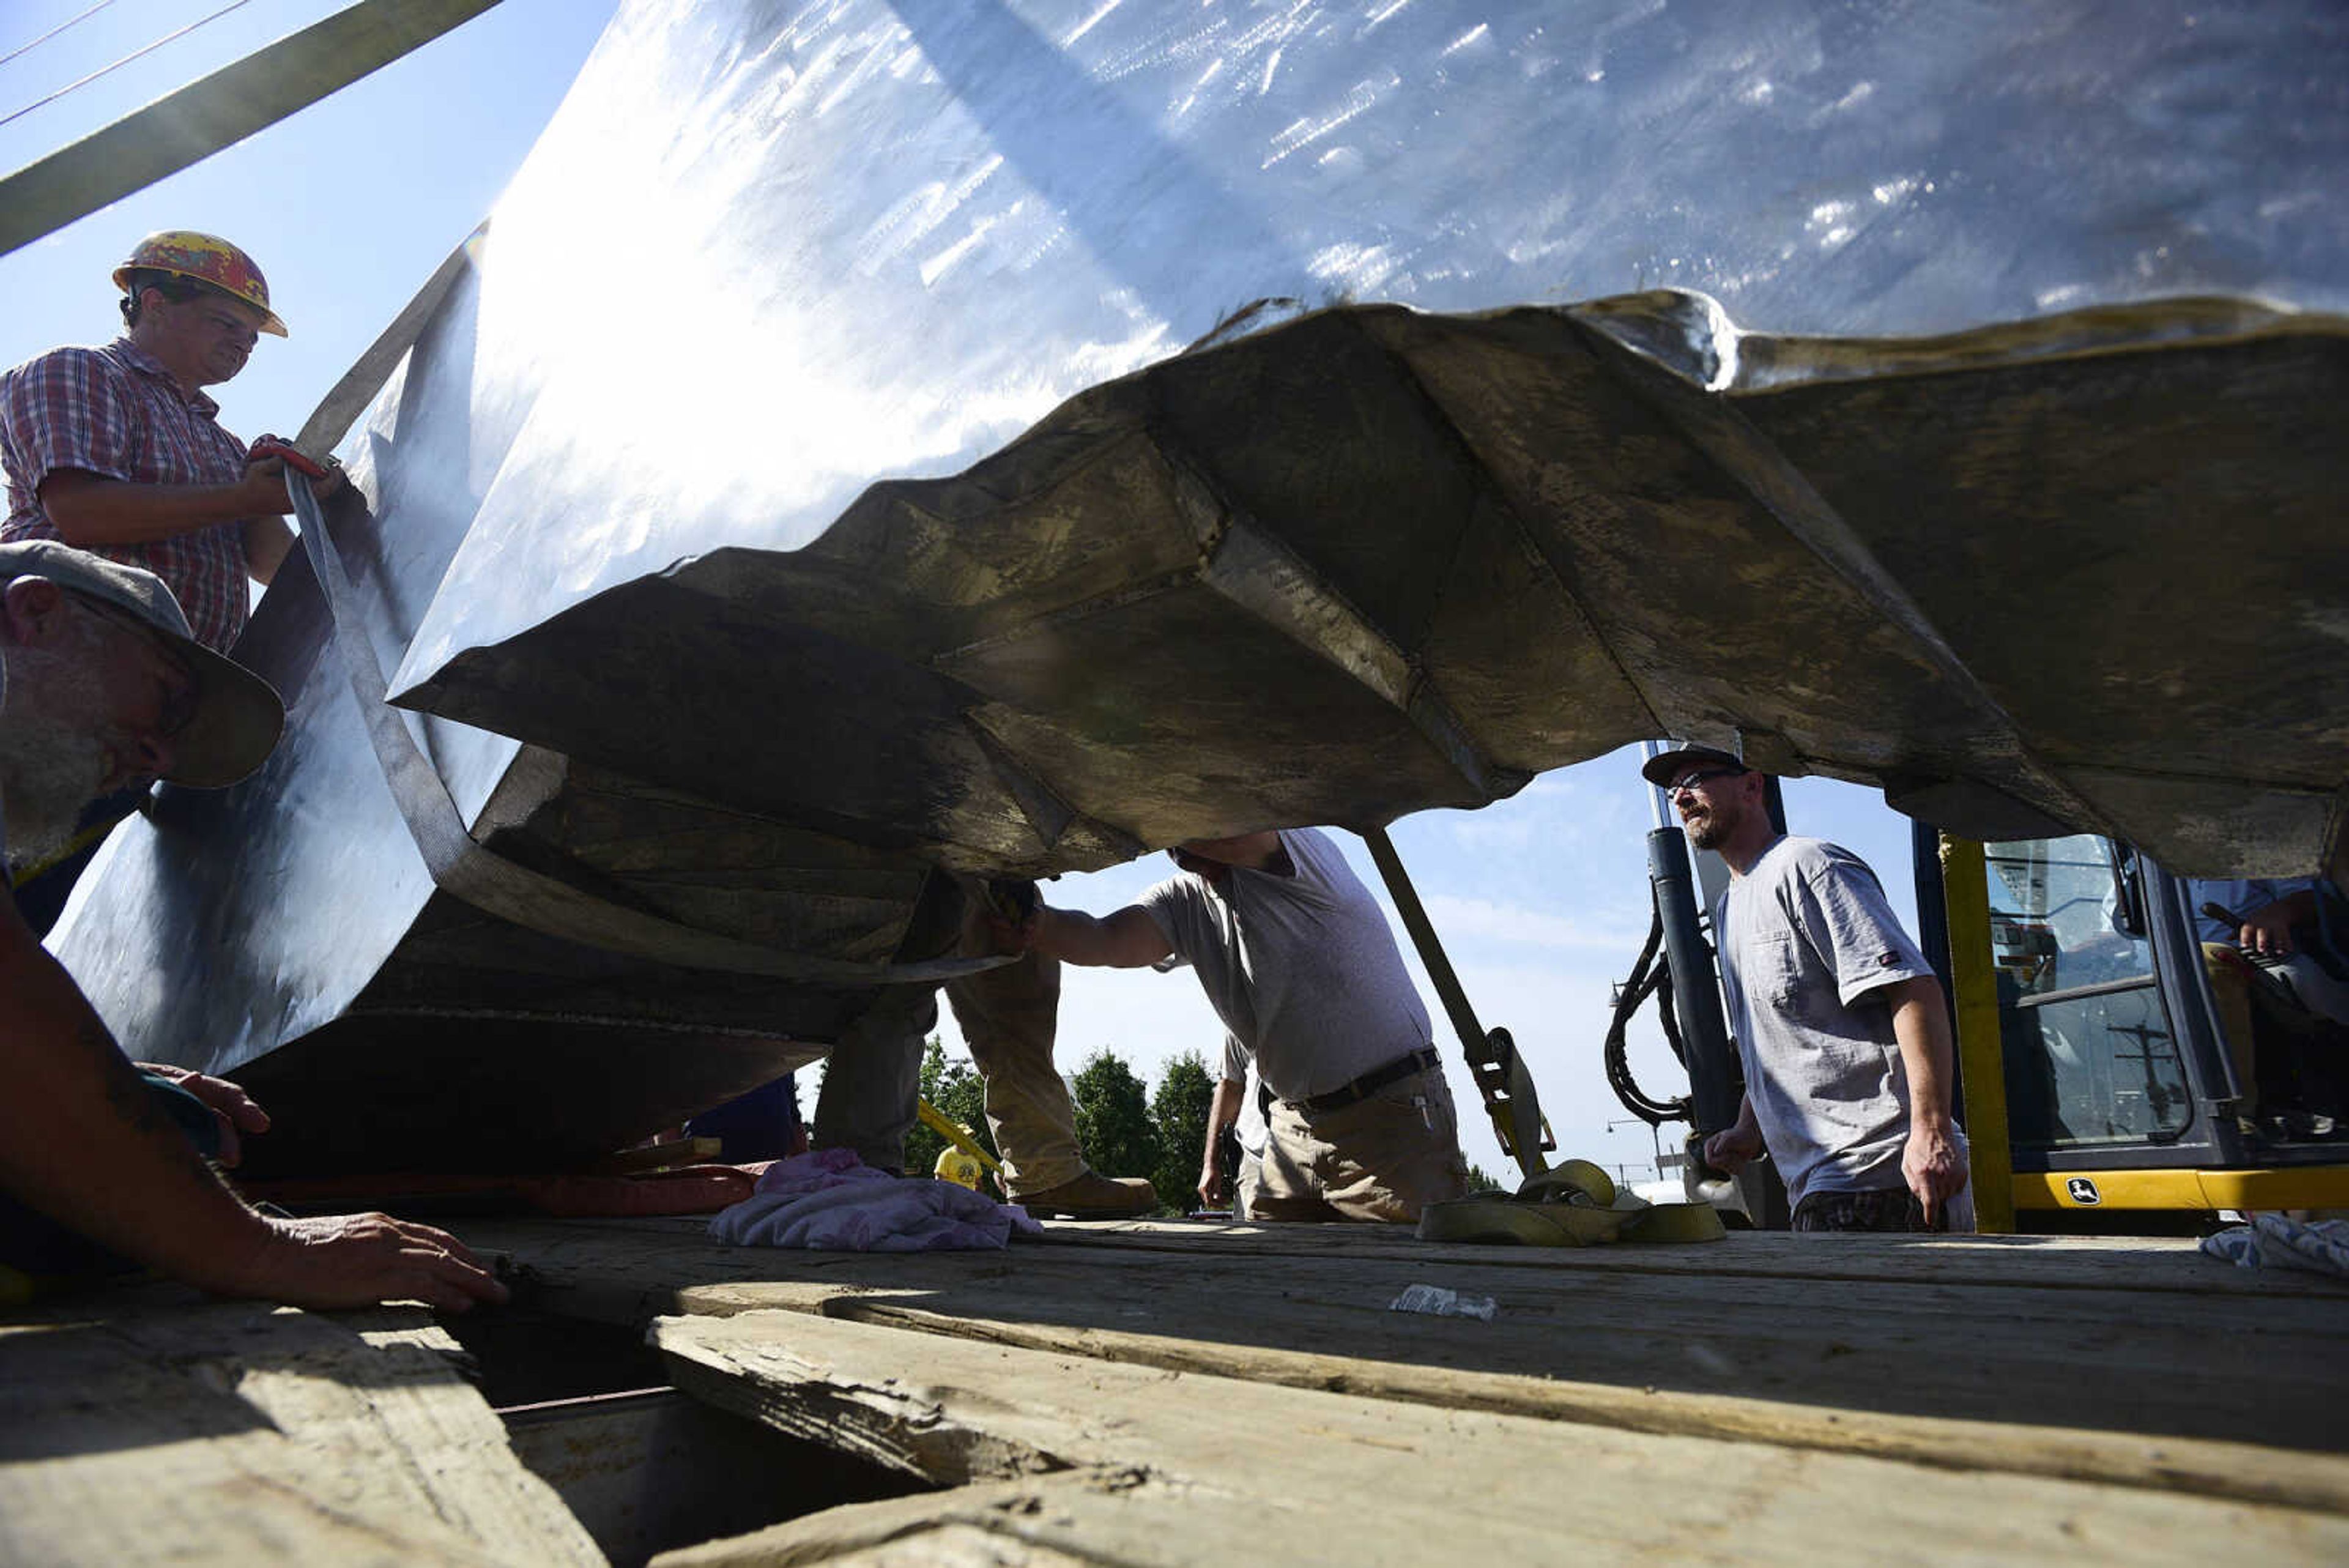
(1247, 1185)
(873, 1077)
(2316, 988)
(1957, 1213)
(2230, 988)
(1394, 1152)
(1288, 1188)
(1008, 1017)
(872, 1080)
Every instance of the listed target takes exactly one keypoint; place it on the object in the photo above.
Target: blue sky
(1541, 899)
(347, 207)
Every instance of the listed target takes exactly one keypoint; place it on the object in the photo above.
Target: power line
(26, 49)
(151, 48)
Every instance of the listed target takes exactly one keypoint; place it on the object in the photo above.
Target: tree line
(1126, 1129)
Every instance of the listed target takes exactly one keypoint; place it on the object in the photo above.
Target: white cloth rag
(2272, 1241)
(827, 1202)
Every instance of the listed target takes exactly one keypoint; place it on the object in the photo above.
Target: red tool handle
(270, 446)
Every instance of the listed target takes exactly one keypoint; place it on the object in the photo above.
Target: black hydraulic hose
(1648, 978)
(1667, 1015)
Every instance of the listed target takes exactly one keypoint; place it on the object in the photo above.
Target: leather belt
(1372, 1081)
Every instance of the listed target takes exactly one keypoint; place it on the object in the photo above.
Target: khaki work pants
(1009, 1017)
(1385, 1156)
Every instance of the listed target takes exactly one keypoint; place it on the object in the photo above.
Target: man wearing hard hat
(117, 451)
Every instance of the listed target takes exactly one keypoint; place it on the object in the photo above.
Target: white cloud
(1481, 919)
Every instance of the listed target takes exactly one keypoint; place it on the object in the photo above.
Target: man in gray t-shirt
(1297, 960)
(1840, 1023)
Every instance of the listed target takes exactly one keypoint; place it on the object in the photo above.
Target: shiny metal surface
(768, 255)
(621, 503)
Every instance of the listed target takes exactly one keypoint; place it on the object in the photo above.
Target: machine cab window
(2091, 1054)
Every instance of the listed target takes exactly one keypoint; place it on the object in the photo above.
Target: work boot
(1088, 1195)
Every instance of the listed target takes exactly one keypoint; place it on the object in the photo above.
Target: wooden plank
(140, 1426)
(2172, 1265)
(2166, 1263)
(957, 1545)
(2156, 1363)
(1110, 1518)
(2244, 1471)
(1309, 1476)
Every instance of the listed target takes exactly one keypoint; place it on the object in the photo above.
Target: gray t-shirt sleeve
(1236, 1059)
(1845, 917)
(1174, 906)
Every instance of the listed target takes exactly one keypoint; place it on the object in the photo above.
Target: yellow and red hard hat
(207, 258)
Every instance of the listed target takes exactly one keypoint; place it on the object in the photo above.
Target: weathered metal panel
(1978, 572)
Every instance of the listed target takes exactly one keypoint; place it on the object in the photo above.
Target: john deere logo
(2083, 1192)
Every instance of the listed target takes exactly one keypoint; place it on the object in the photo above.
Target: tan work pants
(1008, 1017)
(1385, 1156)
(2230, 988)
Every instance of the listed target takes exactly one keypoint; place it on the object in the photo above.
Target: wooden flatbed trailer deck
(1168, 1393)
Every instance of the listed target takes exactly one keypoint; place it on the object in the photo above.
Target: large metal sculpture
(616, 540)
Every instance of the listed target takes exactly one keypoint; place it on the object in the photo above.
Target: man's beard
(50, 771)
(1712, 830)
(50, 768)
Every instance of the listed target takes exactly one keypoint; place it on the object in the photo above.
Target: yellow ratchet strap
(939, 1123)
(1574, 1204)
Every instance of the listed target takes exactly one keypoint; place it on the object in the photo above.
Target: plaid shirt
(115, 412)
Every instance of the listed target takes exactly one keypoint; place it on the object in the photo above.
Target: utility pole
(1655, 1143)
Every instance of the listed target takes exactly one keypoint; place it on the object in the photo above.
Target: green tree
(1482, 1180)
(1113, 1117)
(954, 1087)
(1178, 1113)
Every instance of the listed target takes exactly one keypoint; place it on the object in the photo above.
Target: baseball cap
(1658, 769)
(238, 715)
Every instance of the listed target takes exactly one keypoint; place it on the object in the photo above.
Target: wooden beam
(583, 1251)
(2243, 1472)
(188, 126)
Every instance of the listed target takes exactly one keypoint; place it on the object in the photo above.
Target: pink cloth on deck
(829, 1201)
